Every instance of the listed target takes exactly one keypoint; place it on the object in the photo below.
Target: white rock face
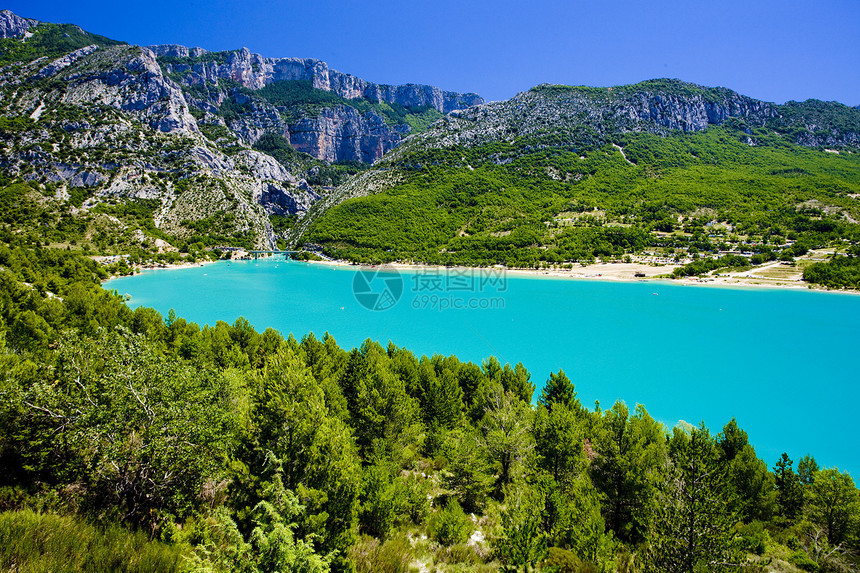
(65, 61)
(14, 26)
(129, 78)
(254, 71)
(264, 167)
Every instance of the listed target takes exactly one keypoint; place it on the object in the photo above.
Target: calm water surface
(784, 363)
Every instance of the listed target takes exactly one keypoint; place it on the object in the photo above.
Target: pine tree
(692, 528)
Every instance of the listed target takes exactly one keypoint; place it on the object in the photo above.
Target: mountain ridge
(93, 121)
(222, 149)
(560, 175)
(254, 71)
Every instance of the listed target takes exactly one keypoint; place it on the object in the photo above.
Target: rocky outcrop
(334, 134)
(342, 133)
(253, 71)
(14, 26)
(128, 78)
(111, 123)
(588, 115)
(337, 133)
(176, 51)
(688, 112)
(65, 61)
(584, 118)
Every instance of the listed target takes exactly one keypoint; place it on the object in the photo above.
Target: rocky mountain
(194, 147)
(197, 66)
(360, 123)
(91, 122)
(585, 118)
(14, 26)
(588, 117)
(560, 174)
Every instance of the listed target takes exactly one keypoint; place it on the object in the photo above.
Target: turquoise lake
(783, 362)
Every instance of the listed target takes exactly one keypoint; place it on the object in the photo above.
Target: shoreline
(168, 267)
(623, 272)
(607, 272)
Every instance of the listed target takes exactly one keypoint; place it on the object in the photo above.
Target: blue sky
(775, 51)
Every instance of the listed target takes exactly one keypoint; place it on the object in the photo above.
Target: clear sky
(771, 50)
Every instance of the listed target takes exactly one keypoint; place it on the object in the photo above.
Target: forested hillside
(130, 441)
(562, 175)
(224, 449)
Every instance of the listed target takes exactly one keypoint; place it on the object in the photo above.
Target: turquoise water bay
(784, 363)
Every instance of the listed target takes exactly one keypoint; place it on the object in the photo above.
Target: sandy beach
(769, 275)
(774, 274)
(164, 267)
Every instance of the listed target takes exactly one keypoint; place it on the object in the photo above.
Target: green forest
(130, 441)
(535, 203)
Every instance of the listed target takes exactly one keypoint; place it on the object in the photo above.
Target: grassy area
(35, 543)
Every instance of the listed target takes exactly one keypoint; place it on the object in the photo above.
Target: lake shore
(768, 276)
(162, 267)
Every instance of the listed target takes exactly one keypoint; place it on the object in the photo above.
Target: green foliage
(44, 542)
(692, 530)
(559, 390)
(230, 109)
(291, 418)
(831, 118)
(524, 204)
(468, 473)
(279, 147)
(297, 93)
(559, 438)
(384, 501)
(247, 451)
(380, 408)
(450, 525)
(804, 562)
(50, 40)
(560, 560)
(788, 488)
(520, 543)
(834, 504)
(133, 419)
(630, 455)
(752, 484)
(14, 125)
(271, 545)
(505, 433)
(391, 556)
(217, 229)
(753, 537)
(705, 266)
(572, 520)
(215, 132)
(839, 272)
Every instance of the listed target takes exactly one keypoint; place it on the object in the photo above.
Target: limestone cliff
(584, 117)
(14, 26)
(253, 71)
(335, 133)
(104, 124)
